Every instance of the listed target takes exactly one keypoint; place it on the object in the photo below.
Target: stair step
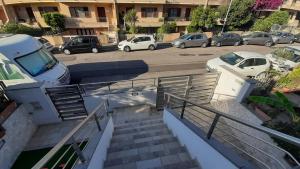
(189, 164)
(139, 129)
(125, 157)
(139, 123)
(144, 134)
(142, 144)
(139, 119)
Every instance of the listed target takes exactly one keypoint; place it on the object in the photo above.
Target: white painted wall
(232, 84)
(19, 129)
(100, 153)
(34, 98)
(207, 157)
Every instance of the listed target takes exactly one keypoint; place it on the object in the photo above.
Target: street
(111, 64)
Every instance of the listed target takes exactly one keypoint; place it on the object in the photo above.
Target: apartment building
(100, 16)
(82, 17)
(293, 6)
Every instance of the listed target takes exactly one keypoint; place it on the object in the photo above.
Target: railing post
(77, 150)
(97, 122)
(213, 126)
(182, 110)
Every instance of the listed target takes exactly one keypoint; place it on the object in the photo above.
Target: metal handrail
(290, 139)
(40, 164)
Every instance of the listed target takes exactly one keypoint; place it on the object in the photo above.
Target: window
(79, 12)
(247, 63)
(298, 16)
(266, 36)
(174, 12)
(146, 39)
(149, 13)
(198, 36)
(259, 61)
(46, 9)
(101, 14)
(187, 13)
(128, 9)
(258, 35)
(37, 62)
(231, 58)
(8, 70)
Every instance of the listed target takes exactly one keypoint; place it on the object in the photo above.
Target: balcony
(36, 1)
(180, 21)
(86, 23)
(197, 2)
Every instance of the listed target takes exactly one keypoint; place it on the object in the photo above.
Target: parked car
(81, 44)
(46, 44)
(283, 37)
(191, 40)
(23, 56)
(138, 42)
(227, 39)
(297, 38)
(258, 38)
(288, 62)
(249, 64)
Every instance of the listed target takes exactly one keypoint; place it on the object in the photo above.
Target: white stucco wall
(207, 157)
(19, 129)
(100, 153)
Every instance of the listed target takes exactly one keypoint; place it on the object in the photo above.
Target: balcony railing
(84, 23)
(251, 142)
(102, 19)
(71, 150)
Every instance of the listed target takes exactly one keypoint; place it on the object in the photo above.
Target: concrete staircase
(142, 141)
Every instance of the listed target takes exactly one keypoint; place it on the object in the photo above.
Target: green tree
(240, 14)
(168, 27)
(202, 19)
(131, 18)
(278, 17)
(55, 20)
(21, 29)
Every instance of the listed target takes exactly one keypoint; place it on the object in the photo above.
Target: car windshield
(130, 39)
(231, 58)
(184, 36)
(37, 62)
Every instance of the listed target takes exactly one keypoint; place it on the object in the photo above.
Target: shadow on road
(128, 69)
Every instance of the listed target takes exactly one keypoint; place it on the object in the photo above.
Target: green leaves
(130, 17)
(279, 101)
(202, 19)
(278, 17)
(168, 27)
(20, 29)
(55, 20)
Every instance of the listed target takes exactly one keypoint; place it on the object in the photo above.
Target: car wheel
(94, 50)
(151, 47)
(268, 44)
(204, 45)
(127, 49)
(67, 51)
(291, 41)
(182, 46)
(219, 44)
(236, 43)
(246, 43)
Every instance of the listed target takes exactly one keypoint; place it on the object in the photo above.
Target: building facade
(84, 17)
(293, 7)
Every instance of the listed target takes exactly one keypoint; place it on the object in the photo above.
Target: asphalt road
(111, 62)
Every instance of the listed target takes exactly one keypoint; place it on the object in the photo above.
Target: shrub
(192, 28)
(283, 53)
(278, 17)
(203, 18)
(15, 28)
(55, 20)
(168, 27)
(133, 29)
(292, 80)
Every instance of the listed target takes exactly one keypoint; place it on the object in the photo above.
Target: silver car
(283, 37)
(191, 40)
(258, 38)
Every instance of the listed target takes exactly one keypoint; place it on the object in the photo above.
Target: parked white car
(282, 64)
(138, 42)
(249, 64)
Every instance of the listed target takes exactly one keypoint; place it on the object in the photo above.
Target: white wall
(100, 153)
(19, 129)
(34, 98)
(207, 157)
(232, 84)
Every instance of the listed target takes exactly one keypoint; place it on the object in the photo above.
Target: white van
(28, 54)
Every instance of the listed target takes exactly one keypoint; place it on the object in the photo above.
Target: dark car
(297, 38)
(283, 37)
(81, 44)
(227, 39)
(258, 38)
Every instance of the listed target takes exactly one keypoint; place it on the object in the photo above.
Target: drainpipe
(5, 11)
